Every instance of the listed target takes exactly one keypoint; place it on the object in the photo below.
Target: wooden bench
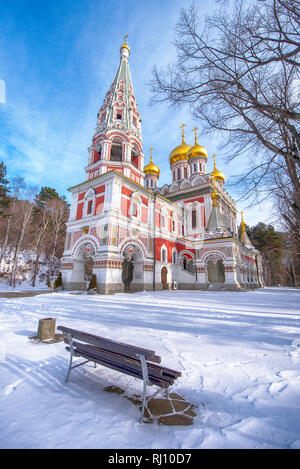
(128, 359)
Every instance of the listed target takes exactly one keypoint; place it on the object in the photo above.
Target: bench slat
(153, 368)
(135, 364)
(126, 370)
(111, 345)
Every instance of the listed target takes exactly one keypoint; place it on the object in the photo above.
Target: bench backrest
(120, 348)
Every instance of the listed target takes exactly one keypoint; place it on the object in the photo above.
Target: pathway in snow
(238, 352)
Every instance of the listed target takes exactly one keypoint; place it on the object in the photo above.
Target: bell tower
(117, 142)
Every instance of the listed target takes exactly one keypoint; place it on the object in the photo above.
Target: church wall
(124, 216)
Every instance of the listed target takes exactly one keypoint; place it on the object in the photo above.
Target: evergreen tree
(4, 199)
(47, 193)
(93, 282)
(270, 243)
(58, 281)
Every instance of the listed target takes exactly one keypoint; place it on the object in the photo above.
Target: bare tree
(43, 220)
(238, 71)
(16, 187)
(59, 213)
(25, 209)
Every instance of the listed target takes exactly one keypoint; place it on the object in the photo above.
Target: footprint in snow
(240, 363)
(277, 387)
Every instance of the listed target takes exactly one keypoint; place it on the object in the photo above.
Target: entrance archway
(164, 276)
(215, 271)
(220, 271)
(83, 265)
(133, 267)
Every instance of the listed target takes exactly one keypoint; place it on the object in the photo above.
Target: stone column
(231, 281)
(108, 271)
(201, 281)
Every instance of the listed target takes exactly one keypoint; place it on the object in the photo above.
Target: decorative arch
(213, 256)
(135, 141)
(174, 187)
(186, 253)
(198, 180)
(86, 243)
(133, 245)
(185, 184)
(90, 193)
(115, 134)
(165, 190)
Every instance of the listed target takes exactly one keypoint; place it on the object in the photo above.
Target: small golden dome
(218, 175)
(151, 168)
(243, 224)
(196, 150)
(125, 46)
(180, 152)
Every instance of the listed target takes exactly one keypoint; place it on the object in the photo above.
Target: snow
(238, 352)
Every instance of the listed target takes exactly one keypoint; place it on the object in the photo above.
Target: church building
(135, 235)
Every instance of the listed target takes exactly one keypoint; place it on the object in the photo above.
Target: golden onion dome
(125, 46)
(151, 168)
(218, 175)
(180, 152)
(196, 151)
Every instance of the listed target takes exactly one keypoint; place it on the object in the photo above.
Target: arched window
(116, 150)
(163, 254)
(194, 219)
(174, 256)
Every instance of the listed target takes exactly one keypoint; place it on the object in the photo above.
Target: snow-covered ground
(239, 354)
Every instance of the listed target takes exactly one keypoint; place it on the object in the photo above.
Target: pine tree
(58, 281)
(93, 282)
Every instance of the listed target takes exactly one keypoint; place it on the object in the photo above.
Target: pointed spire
(182, 127)
(243, 224)
(152, 148)
(244, 238)
(216, 222)
(196, 138)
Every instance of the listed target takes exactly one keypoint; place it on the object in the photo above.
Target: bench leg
(145, 380)
(71, 357)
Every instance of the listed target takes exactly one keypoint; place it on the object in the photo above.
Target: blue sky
(58, 59)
